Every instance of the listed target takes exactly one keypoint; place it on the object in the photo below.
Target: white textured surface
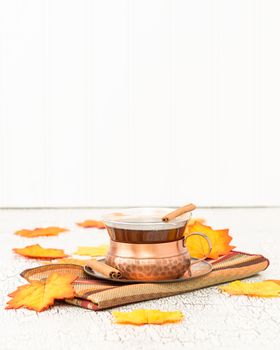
(212, 320)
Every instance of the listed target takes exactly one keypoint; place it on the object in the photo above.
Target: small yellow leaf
(264, 289)
(275, 281)
(144, 316)
(92, 251)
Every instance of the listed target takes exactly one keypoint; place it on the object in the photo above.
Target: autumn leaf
(47, 231)
(198, 246)
(36, 251)
(193, 221)
(40, 296)
(79, 262)
(92, 223)
(92, 251)
(144, 316)
(275, 281)
(264, 289)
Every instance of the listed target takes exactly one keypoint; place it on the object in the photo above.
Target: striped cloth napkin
(97, 295)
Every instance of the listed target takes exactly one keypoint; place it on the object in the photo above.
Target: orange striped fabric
(96, 295)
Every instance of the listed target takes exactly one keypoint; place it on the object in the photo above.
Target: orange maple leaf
(46, 231)
(39, 296)
(198, 246)
(36, 251)
(92, 223)
(145, 316)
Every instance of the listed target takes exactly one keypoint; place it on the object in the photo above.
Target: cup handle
(209, 245)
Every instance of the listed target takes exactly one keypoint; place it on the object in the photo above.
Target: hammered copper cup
(142, 247)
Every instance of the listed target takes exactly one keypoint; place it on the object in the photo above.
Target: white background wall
(139, 102)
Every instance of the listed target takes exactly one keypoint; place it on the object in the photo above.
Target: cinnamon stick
(180, 211)
(104, 269)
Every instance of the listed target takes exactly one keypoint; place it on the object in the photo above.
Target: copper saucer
(199, 269)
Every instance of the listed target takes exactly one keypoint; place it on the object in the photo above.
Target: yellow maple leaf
(92, 251)
(144, 316)
(36, 251)
(39, 295)
(275, 281)
(46, 231)
(264, 289)
(193, 221)
(198, 246)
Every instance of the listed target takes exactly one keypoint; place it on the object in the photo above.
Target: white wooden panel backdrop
(148, 102)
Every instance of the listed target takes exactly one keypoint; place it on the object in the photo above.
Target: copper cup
(142, 247)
